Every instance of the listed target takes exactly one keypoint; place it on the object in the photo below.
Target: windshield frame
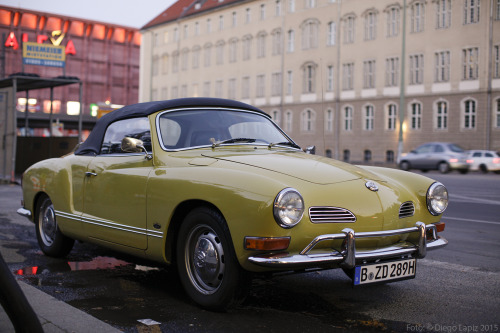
(215, 109)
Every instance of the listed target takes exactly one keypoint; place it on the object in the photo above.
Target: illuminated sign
(56, 38)
(43, 54)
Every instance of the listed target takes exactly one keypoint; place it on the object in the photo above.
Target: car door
(114, 209)
(421, 156)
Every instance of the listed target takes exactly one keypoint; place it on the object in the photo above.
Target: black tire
(50, 239)
(443, 167)
(206, 261)
(483, 168)
(404, 165)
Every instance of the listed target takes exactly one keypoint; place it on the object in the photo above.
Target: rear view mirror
(132, 145)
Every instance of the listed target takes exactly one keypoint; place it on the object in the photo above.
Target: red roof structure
(184, 8)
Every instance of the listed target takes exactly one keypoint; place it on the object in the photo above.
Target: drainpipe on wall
(490, 78)
(402, 108)
(337, 85)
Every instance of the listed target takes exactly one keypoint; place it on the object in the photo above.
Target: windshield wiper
(284, 143)
(234, 140)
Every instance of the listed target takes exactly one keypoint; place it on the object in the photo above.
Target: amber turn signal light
(439, 226)
(267, 243)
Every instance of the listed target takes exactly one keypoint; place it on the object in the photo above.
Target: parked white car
(484, 160)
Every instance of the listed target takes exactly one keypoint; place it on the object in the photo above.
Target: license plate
(387, 271)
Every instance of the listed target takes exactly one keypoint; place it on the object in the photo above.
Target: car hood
(311, 168)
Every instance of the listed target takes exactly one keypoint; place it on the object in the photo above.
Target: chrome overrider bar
(347, 257)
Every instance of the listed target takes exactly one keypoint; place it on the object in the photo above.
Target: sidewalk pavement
(56, 316)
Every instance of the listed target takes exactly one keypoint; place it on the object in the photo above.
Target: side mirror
(132, 145)
(311, 150)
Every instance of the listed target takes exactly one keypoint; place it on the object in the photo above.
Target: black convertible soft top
(92, 145)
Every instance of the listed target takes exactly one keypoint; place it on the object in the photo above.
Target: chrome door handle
(88, 174)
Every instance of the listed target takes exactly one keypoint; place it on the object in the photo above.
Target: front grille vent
(407, 209)
(331, 215)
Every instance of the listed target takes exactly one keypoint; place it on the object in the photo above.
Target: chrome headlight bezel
(437, 199)
(288, 208)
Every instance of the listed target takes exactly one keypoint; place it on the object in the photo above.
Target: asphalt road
(457, 289)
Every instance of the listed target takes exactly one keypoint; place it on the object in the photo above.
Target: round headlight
(437, 199)
(288, 208)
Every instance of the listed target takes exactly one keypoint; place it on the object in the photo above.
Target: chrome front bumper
(24, 212)
(348, 256)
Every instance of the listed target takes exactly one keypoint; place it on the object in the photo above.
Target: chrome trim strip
(111, 225)
(348, 254)
(24, 212)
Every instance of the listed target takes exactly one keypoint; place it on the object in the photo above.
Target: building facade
(354, 78)
(105, 57)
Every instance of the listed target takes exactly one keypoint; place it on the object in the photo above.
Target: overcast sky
(131, 13)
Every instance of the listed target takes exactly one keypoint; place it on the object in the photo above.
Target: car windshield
(198, 128)
(456, 149)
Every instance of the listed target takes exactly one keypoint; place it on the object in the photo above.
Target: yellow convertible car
(216, 188)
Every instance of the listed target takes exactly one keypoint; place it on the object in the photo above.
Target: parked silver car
(442, 156)
(484, 160)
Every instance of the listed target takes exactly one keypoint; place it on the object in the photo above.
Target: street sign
(44, 55)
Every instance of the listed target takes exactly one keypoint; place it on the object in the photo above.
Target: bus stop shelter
(9, 87)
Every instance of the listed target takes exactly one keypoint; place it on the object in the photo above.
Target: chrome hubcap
(205, 259)
(48, 225)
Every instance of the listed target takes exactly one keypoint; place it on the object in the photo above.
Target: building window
(221, 23)
(391, 72)
(416, 116)
(496, 61)
(348, 114)
(206, 89)
(329, 120)
(164, 63)
(176, 34)
(346, 155)
(391, 116)
(291, 6)
(348, 76)
(276, 84)
(471, 11)
(330, 34)
(156, 63)
(441, 115)
(175, 92)
(261, 86)
(209, 26)
(309, 71)
(235, 19)
(277, 8)
(417, 15)
(219, 53)
(469, 114)
(328, 153)
(175, 62)
(308, 118)
(289, 83)
(233, 50)
(231, 89)
(368, 117)
(389, 156)
(291, 41)
(218, 88)
(349, 22)
(310, 3)
(288, 121)
(262, 12)
(442, 66)
(184, 59)
(247, 15)
(261, 44)
(369, 74)
(497, 114)
(497, 16)
(277, 41)
(443, 14)
(247, 47)
(470, 63)
(393, 21)
(245, 87)
(196, 57)
(329, 78)
(207, 55)
(370, 25)
(275, 116)
(310, 34)
(367, 156)
(417, 69)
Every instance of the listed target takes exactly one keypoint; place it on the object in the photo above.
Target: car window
(424, 149)
(476, 154)
(137, 128)
(488, 155)
(438, 149)
(454, 148)
(197, 128)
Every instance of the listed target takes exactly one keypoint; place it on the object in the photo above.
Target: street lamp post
(402, 84)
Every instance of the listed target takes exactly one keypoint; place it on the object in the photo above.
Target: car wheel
(404, 165)
(483, 168)
(50, 239)
(444, 167)
(206, 261)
